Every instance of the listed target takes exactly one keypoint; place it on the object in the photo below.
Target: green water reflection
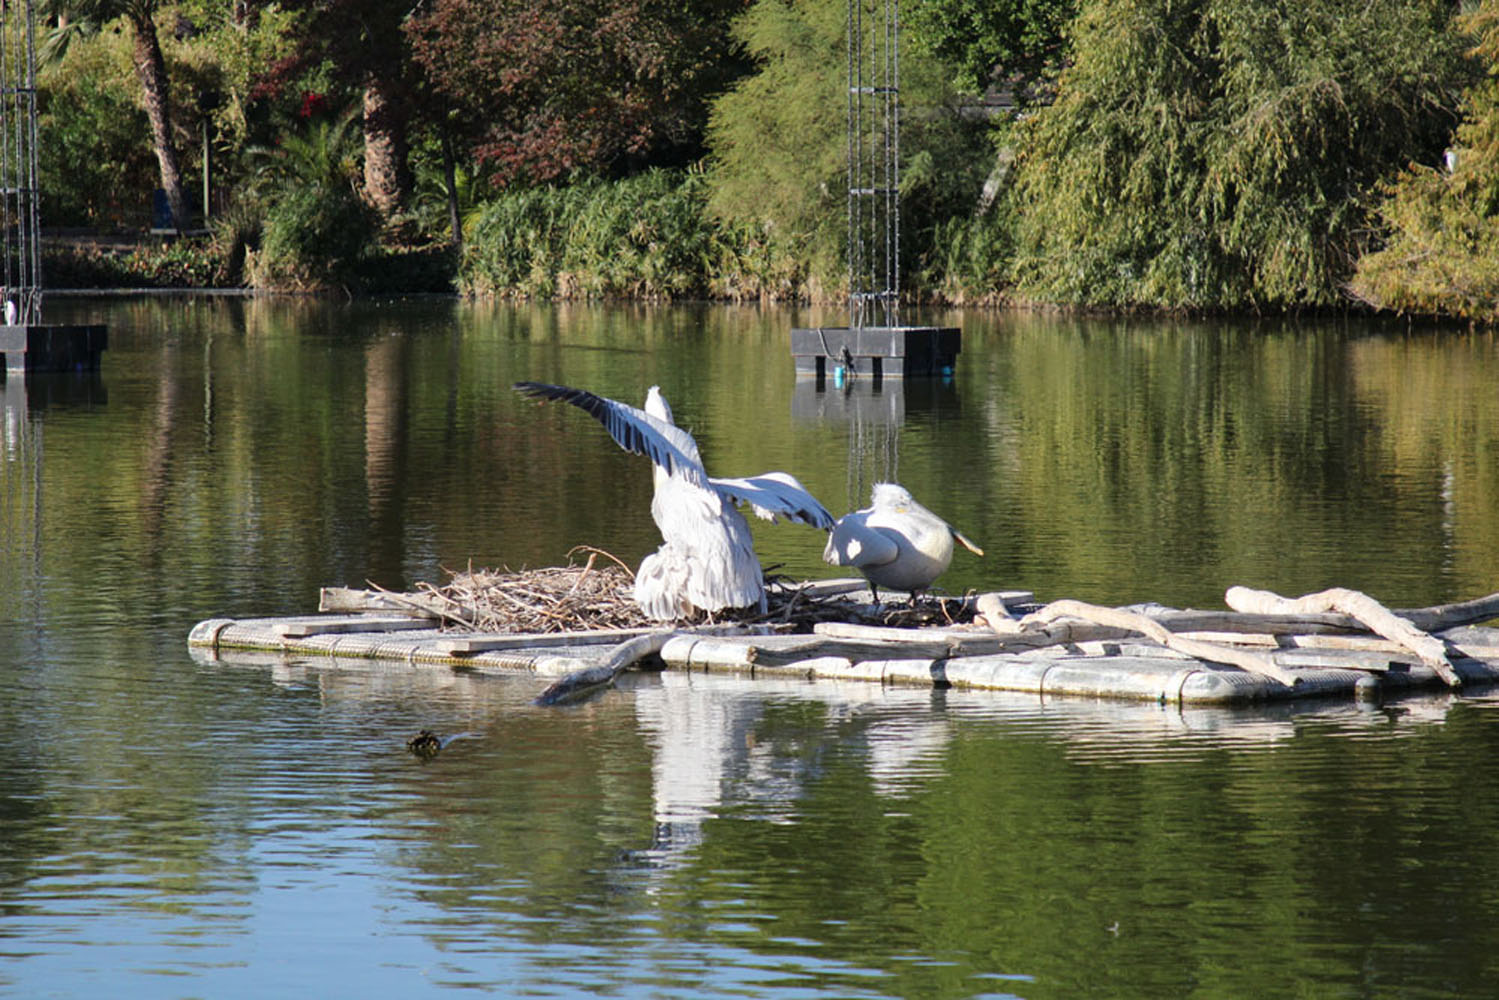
(177, 826)
(1114, 462)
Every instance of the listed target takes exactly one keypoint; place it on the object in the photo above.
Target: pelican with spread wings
(707, 561)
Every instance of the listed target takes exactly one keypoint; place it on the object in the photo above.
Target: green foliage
(314, 238)
(1220, 153)
(779, 139)
(317, 228)
(223, 61)
(646, 237)
(178, 264)
(1442, 256)
(94, 160)
(970, 256)
(429, 196)
(1019, 40)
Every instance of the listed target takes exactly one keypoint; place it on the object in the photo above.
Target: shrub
(645, 237)
(179, 264)
(314, 238)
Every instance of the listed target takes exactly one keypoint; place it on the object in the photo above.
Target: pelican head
(892, 497)
(657, 406)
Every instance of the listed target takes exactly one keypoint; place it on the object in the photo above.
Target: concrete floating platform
(959, 656)
(53, 348)
(875, 351)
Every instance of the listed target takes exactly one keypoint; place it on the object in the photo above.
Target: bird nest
(598, 594)
(594, 595)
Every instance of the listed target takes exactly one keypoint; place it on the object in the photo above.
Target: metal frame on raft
(873, 164)
(21, 239)
(874, 344)
(27, 344)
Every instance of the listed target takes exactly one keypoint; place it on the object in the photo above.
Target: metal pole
(19, 212)
(205, 170)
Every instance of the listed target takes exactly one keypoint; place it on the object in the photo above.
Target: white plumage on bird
(706, 562)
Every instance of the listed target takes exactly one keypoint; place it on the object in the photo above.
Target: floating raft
(53, 348)
(875, 351)
(1290, 655)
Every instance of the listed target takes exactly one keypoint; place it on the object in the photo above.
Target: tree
(1021, 41)
(779, 141)
(1442, 253)
(150, 67)
(550, 89)
(359, 45)
(92, 164)
(779, 137)
(1222, 153)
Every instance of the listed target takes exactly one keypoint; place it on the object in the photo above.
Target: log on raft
(1360, 606)
(1257, 618)
(583, 683)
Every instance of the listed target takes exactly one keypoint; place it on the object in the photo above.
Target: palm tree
(85, 16)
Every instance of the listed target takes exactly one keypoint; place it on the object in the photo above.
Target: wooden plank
(958, 640)
(887, 633)
(301, 628)
(825, 588)
(350, 600)
(1344, 659)
(483, 642)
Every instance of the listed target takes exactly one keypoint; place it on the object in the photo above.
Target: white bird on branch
(895, 542)
(707, 562)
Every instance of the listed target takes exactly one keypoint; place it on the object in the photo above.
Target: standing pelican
(707, 562)
(895, 542)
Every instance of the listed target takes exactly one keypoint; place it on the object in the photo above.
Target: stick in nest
(553, 599)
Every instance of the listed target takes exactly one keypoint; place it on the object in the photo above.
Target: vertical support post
(873, 162)
(20, 246)
(205, 170)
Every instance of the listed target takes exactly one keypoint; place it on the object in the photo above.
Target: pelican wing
(634, 430)
(854, 543)
(776, 494)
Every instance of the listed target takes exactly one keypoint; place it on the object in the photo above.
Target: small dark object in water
(424, 744)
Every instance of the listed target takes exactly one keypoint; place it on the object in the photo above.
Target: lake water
(171, 826)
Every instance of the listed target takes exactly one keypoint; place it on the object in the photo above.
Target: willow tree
(1442, 256)
(778, 138)
(150, 68)
(1225, 153)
